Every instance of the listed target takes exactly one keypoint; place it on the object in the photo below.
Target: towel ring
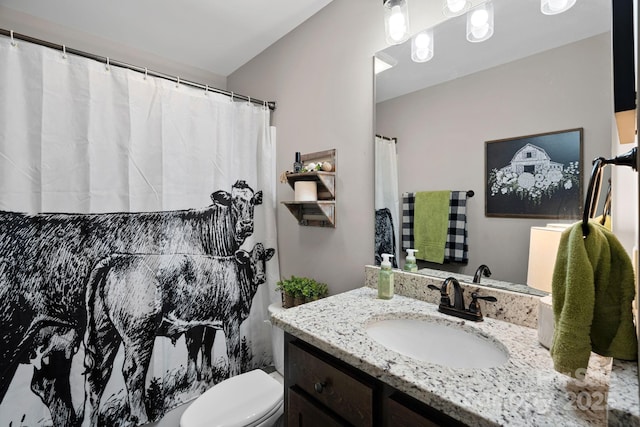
(630, 158)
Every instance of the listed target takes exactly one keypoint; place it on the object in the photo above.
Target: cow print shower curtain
(137, 241)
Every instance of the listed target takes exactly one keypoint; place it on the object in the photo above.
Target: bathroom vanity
(322, 390)
(337, 374)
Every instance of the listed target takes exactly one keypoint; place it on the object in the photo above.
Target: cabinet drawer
(401, 416)
(345, 395)
(404, 411)
(304, 413)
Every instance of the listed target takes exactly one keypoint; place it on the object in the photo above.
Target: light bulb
(422, 46)
(397, 24)
(456, 6)
(480, 23)
(423, 40)
(479, 18)
(557, 5)
(553, 7)
(396, 21)
(422, 54)
(451, 8)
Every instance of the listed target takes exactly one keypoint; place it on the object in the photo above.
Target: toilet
(252, 399)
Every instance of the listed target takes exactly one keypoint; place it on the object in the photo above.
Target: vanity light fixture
(553, 7)
(422, 46)
(396, 21)
(480, 22)
(451, 8)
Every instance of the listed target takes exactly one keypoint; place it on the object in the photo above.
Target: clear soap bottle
(385, 279)
(410, 261)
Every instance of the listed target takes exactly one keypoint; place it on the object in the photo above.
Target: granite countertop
(526, 390)
(624, 397)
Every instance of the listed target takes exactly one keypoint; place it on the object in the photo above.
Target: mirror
(537, 74)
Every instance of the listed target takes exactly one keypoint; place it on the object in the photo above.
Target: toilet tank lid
(234, 402)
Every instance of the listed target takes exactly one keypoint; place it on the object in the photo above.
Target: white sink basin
(438, 342)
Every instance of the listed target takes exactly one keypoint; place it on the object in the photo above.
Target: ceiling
(220, 36)
(521, 30)
(212, 35)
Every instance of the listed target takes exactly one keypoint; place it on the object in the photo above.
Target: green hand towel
(431, 224)
(592, 290)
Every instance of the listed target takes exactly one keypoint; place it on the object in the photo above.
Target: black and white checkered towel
(456, 248)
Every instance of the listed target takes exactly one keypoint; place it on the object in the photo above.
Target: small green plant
(319, 290)
(291, 287)
(302, 288)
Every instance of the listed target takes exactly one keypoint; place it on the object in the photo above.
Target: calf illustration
(46, 259)
(133, 298)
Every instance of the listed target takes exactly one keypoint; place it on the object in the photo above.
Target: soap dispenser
(385, 279)
(410, 261)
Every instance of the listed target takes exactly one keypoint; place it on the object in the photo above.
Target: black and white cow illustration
(133, 298)
(385, 241)
(46, 259)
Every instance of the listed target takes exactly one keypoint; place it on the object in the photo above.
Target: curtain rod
(394, 139)
(109, 61)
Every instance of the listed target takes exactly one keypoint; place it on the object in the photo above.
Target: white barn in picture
(532, 159)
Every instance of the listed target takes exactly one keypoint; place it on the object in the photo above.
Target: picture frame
(535, 176)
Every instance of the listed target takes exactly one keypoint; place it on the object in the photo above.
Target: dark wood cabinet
(303, 412)
(321, 390)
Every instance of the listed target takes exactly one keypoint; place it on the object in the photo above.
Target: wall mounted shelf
(322, 212)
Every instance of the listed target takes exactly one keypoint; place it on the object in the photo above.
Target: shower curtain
(137, 240)
(387, 204)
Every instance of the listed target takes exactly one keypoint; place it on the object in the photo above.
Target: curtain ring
(64, 52)
(146, 72)
(13, 42)
(106, 67)
(178, 81)
(231, 96)
(206, 89)
(249, 100)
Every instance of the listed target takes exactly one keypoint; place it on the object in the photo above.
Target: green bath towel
(592, 290)
(431, 224)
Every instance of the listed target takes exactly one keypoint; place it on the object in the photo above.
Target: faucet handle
(444, 296)
(474, 307)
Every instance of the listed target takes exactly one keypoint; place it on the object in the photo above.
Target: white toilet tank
(277, 341)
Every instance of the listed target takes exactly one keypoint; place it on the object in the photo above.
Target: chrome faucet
(457, 309)
(483, 269)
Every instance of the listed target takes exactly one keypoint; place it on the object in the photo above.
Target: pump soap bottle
(297, 164)
(410, 261)
(385, 279)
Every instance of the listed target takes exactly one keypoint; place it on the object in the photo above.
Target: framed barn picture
(535, 176)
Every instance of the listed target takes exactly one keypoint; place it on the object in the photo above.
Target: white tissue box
(545, 321)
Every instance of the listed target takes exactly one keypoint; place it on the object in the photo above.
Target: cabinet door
(304, 413)
(401, 416)
(344, 394)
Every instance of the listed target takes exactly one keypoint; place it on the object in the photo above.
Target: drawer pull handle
(319, 386)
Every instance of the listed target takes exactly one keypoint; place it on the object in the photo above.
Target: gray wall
(442, 132)
(321, 76)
